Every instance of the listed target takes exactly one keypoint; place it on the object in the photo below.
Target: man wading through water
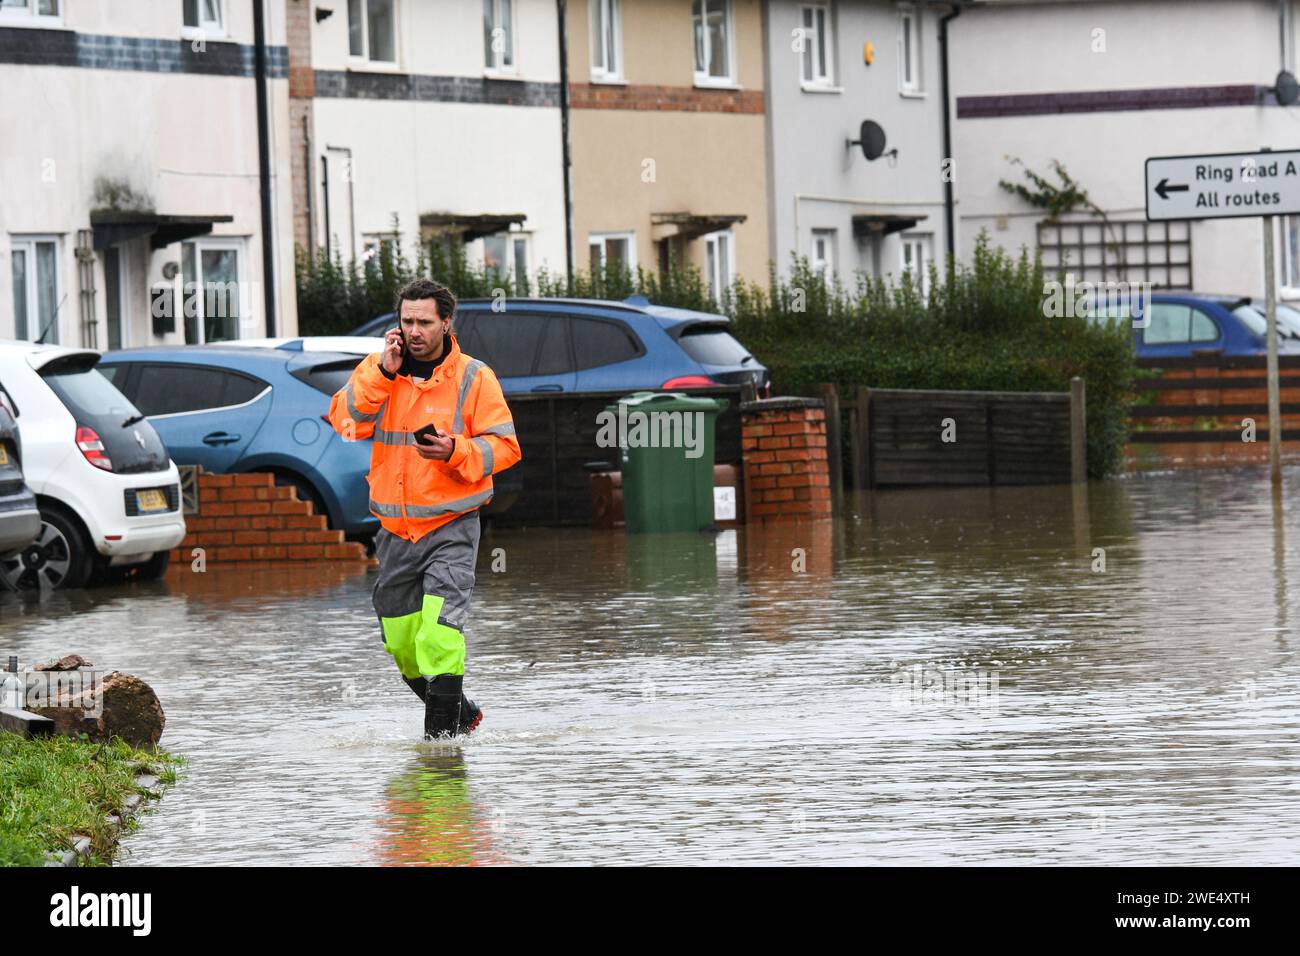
(440, 429)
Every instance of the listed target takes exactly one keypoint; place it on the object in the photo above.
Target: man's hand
(437, 448)
(392, 360)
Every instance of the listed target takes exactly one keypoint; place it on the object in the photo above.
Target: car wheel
(59, 557)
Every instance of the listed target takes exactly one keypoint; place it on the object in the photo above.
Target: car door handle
(220, 438)
(548, 388)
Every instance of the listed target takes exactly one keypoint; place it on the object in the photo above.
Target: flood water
(942, 677)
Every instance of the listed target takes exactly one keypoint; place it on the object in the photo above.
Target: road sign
(1223, 185)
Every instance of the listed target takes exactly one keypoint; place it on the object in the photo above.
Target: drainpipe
(264, 163)
(953, 13)
(309, 188)
(566, 146)
(325, 203)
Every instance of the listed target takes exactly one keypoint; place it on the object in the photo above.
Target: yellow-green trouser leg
(421, 647)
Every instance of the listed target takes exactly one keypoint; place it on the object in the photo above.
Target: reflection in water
(428, 818)
(943, 675)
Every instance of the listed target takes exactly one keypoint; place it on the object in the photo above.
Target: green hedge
(983, 327)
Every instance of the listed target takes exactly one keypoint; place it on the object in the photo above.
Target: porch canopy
(883, 223)
(468, 226)
(113, 226)
(689, 225)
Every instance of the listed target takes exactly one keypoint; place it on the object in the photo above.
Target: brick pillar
(302, 90)
(786, 471)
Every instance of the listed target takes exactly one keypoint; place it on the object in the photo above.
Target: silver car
(20, 519)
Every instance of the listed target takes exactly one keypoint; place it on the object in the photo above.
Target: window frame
(827, 265)
(602, 73)
(1289, 286)
(29, 242)
(495, 67)
(204, 29)
(202, 244)
(827, 80)
(603, 237)
(29, 17)
(924, 241)
(365, 61)
(706, 78)
(909, 41)
(714, 273)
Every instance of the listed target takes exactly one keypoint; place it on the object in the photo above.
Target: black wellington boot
(418, 684)
(471, 715)
(442, 706)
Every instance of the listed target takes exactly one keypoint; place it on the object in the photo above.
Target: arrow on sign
(1163, 189)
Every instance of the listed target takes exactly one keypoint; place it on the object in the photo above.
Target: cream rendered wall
(704, 162)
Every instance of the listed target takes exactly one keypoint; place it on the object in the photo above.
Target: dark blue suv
(593, 345)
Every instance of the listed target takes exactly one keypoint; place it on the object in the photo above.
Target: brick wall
(786, 470)
(250, 518)
(302, 88)
(640, 96)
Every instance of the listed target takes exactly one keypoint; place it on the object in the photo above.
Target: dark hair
(444, 300)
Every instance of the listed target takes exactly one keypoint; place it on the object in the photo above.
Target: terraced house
(143, 197)
(432, 121)
(833, 66)
(669, 135)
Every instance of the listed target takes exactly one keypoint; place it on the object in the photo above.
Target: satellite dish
(1286, 88)
(871, 137)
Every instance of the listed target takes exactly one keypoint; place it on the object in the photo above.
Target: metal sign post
(1233, 186)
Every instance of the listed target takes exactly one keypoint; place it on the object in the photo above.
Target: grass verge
(54, 789)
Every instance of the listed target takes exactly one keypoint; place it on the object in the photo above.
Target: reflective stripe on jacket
(411, 495)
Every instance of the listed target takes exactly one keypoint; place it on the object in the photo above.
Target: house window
(612, 249)
(213, 290)
(916, 257)
(499, 35)
(42, 12)
(375, 244)
(719, 262)
(818, 44)
(1291, 252)
(34, 261)
(506, 254)
(909, 51)
(204, 16)
(822, 259)
(712, 25)
(372, 30)
(606, 40)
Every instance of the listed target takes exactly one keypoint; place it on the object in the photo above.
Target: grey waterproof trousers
(423, 596)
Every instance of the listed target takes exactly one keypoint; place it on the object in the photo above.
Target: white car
(347, 344)
(108, 493)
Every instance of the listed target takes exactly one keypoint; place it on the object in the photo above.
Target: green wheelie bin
(666, 442)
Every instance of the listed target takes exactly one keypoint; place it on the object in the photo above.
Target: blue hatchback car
(1179, 324)
(588, 345)
(235, 409)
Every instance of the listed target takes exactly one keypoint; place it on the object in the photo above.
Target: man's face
(423, 327)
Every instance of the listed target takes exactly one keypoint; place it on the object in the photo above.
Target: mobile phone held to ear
(426, 434)
(403, 335)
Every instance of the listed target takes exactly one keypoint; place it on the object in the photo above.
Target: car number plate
(4, 454)
(151, 499)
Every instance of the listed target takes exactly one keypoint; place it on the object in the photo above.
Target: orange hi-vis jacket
(412, 495)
